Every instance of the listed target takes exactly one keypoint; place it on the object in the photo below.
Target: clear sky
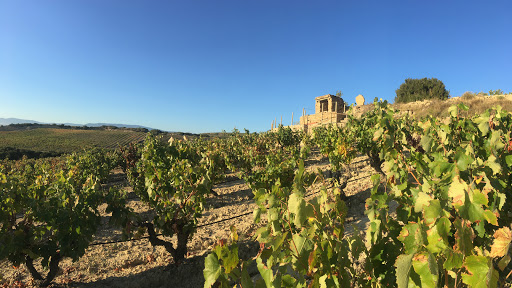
(213, 65)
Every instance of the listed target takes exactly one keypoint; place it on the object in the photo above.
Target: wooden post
(292, 120)
(281, 120)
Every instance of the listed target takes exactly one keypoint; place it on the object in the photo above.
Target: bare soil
(137, 264)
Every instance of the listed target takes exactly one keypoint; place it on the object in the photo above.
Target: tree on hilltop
(421, 89)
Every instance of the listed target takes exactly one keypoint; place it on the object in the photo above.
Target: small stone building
(329, 109)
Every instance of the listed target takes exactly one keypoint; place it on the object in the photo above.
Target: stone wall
(308, 122)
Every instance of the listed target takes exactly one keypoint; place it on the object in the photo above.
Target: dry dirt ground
(138, 264)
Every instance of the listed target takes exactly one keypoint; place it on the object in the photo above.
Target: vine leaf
(421, 201)
(426, 143)
(265, 272)
(457, 191)
(454, 260)
(480, 272)
(495, 166)
(425, 265)
(483, 124)
(411, 236)
(297, 206)
(403, 267)
(463, 161)
(464, 236)
(501, 244)
(211, 270)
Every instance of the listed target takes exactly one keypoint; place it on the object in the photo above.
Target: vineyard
(67, 140)
(384, 201)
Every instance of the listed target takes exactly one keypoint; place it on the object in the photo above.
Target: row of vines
(439, 211)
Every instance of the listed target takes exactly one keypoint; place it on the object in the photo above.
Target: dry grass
(439, 108)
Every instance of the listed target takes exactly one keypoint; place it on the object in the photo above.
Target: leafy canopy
(421, 89)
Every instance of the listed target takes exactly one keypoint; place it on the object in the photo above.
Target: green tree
(420, 89)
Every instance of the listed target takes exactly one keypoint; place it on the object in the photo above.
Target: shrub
(468, 95)
(496, 92)
(421, 89)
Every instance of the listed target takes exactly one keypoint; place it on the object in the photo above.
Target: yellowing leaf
(490, 217)
(501, 244)
(421, 201)
(457, 191)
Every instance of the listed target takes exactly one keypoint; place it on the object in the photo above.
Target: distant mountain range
(9, 121)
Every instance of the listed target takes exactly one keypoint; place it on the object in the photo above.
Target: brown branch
(155, 241)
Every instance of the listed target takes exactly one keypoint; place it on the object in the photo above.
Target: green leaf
(495, 166)
(412, 237)
(464, 236)
(463, 161)
(278, 241)
(246, 279)
(436, 243)
(297, 206)
(403, 266)
(483, 124)
(453, 260)
(508, 159)
(432, 211)
(230, 258)
(425, 265)
(298, 242)
(426, 143)
(378, 134)
(211, 270)
(443, 226)
(453, 110)
(480, 273)
(265, 272)
(256, 215)
(495, 140)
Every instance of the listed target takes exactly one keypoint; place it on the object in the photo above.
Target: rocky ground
(138, 264)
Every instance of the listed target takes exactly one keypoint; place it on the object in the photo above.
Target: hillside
(438, 108)
(9, 121)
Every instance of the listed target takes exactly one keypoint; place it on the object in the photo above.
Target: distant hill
(116, 125)
(9, 121)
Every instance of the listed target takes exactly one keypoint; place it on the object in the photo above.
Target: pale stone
(329, 109)
(360, 100)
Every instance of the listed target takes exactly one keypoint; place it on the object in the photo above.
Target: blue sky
(205, 66)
